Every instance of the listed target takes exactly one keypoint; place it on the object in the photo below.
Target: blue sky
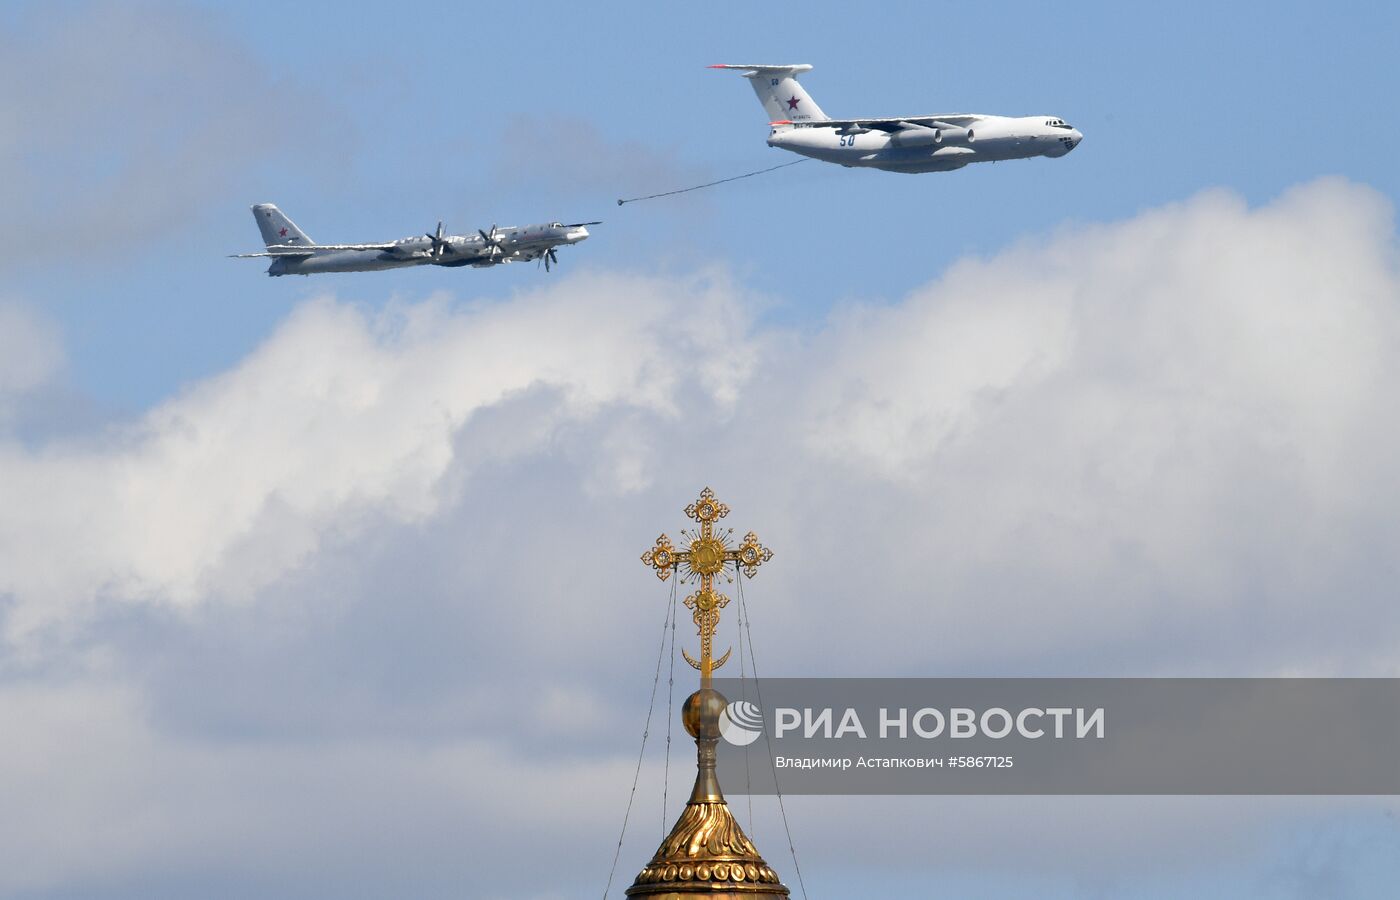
(393, 122)
(308, 584)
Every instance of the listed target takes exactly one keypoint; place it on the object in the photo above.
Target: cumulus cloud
(148, 815)
(340, 415)
(1158, 446)
(1186, 412)
(153, 814)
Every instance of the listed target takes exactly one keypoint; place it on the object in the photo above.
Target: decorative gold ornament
(707, 554)
(707, 853)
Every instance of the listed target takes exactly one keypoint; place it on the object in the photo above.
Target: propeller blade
(492, 241)
(439, 245)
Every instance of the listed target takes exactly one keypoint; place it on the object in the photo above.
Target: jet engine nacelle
(916, 136)
(956, 136)
(923, 136)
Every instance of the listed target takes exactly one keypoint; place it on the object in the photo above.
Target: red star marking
(793, 101)
(283, 232)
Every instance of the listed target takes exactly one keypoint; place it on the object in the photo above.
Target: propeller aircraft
(294, 253)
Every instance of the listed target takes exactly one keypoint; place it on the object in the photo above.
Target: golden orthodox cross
(707, 553)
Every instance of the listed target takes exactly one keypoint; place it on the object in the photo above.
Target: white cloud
(340, 415)
(93, 796)
(1161, 446)
(98, 802)
(1188, 410)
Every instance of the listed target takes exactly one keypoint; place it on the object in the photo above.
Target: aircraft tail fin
(277, 229)
(782, 97)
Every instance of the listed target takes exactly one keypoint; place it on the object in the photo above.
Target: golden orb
(701, 713)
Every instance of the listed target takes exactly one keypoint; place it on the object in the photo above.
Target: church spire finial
(707, 853)
(707, 553)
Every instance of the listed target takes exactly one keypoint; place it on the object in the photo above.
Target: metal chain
(646, 730)
(744, 695)
(670, 720)
(758, 692)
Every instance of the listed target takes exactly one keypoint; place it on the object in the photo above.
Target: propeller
(549, 256)
(440, 244)
(493, 241)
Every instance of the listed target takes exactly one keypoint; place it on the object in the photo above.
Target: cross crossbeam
(706, 552)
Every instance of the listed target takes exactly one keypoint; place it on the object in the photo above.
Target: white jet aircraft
(937, 143)
(294, 253)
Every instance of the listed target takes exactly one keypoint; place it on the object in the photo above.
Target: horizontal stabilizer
(766, 69)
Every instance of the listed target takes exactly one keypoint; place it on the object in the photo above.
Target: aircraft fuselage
(511, 244)
(919, 148)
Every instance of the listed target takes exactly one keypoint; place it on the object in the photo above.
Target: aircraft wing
(897, 123)
(310, 249)
(338, 247)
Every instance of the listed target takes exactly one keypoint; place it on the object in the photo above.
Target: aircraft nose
(1075, 136)
(578, 234)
